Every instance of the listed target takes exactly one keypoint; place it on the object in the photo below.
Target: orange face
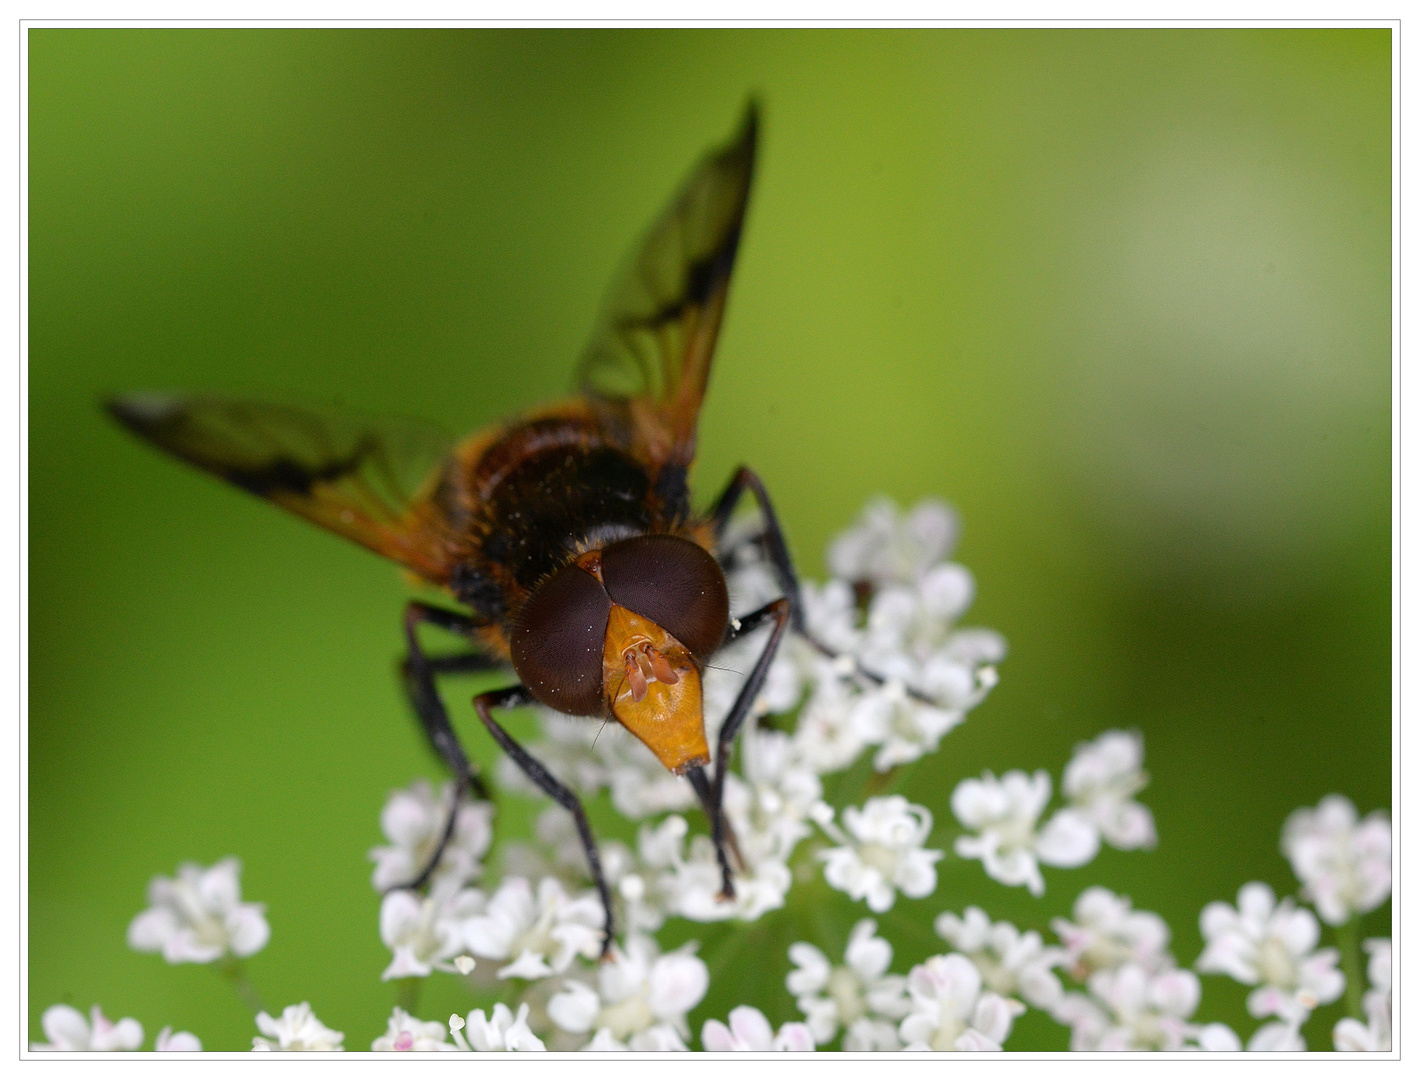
(652, 687)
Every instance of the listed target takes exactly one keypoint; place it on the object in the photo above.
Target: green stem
(1348, 937)
(407, 993)
(233, 971)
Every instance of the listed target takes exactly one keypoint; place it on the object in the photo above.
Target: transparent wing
(649, 358)
(369, 480)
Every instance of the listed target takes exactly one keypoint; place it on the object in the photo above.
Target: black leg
(774, 544)
(705, 792)
(418, 671)
(779, 558)
(779, 611)
(512, 698)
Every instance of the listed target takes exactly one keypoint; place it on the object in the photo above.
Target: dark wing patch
(368, 480)
(648, 362)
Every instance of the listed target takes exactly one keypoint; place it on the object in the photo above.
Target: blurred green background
(1121, 296)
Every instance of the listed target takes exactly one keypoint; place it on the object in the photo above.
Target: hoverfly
(567, 535)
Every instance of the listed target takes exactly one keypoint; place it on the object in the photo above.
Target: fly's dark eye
(674, 583)
(558, 639)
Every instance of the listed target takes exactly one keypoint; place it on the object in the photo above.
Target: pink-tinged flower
(297, 1029)
(749, 1029)
(949, 1010)
(413, 820)
(1271, 944)
(1101, 781)
(1342, 863)
(858, 996)
(199, 916)
(1108, 932)
(66, 1029)
(409, 1033)
(1003, 813)
(881, 852)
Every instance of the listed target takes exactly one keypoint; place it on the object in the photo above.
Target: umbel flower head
(199, 916)
(897, 677)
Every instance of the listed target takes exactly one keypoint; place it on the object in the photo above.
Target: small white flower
(1107, 933)
(170, 1041)
(1131, 1008)
(503, 1032)
(1003, 812)
(1102, 779)
(1264, 942)
(1375, 1034)
(884, 853)
(413, 820)
(826, 737)
(1277, 1037)
(749, 1029)
(407, 1032)
(903, 728)
(1010, 962)
(426, 933)
(858, 995)
(298, 1029)
(1213, 1038)
(198, 916)
(66, 1029)
(640, 999)
(885, 546)
(949, 1011)
(1343, 864)
(540, 934)
(909, 637)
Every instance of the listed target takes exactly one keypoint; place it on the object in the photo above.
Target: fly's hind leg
(512, 698)
(419, 672)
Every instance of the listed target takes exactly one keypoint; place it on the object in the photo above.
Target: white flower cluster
(199, 917)
(941, 1004)
(1343, 865)
(1134, 997)
(1100, 782)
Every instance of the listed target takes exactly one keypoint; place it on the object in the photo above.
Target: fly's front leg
(775, 546)
(779, 558)
(512, 698)
(419, 671)
(779, 612)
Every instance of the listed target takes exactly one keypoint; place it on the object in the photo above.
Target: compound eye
(674, 583)
(557, 642)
